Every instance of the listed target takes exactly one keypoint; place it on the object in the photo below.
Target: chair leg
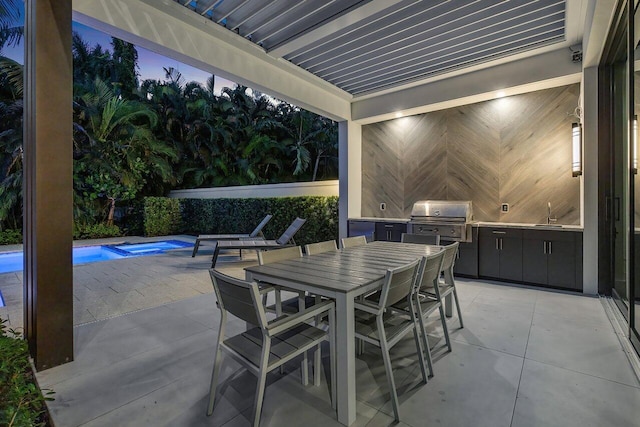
(445, 328)
(278, 302)
(420, 352)
(419, 323)
(214, 258)
(262, 382)
(304, 369)
(216, 372)
(388, 369)
(317, 363)
(455, 295)
(195, 248)
(332, 355)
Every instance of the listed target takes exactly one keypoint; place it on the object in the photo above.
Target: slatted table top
(345, 270)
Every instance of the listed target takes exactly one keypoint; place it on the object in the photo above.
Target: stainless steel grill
(451, 220)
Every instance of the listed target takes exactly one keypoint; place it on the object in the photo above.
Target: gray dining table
(342, 275)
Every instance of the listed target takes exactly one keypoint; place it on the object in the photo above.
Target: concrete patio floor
(526, 357)
(102, 290)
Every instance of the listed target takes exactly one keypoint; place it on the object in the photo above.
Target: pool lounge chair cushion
(286, 239)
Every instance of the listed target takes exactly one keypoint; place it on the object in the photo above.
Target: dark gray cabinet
(390, 231)
(361, 228)
(500, 253)
(467, 260)
(550, 258)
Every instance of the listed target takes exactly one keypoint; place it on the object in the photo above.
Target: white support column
(590, 181)
(350, 174)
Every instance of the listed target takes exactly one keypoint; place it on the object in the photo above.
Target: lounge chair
(255, 234)
(283, 241)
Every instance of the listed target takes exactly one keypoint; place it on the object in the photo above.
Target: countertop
(558, 227)
(373, 219)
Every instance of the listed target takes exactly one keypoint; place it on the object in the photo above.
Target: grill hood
(445, 210)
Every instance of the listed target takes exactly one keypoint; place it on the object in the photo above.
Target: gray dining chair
(320, 247)
(419, 238)
(271, 343)
(426, 300)
(350, 242)
(291, 305)
(376, 324)
(447, 284)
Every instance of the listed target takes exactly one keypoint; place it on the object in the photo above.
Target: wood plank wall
(514, 150)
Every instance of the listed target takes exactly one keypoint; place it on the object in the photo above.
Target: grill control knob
(435, 230)
(453, 231)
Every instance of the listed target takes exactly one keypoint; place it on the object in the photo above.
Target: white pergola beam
(327, 29)
(166, 27)
(550, 69)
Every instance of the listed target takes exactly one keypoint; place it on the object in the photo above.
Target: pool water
(13, 261)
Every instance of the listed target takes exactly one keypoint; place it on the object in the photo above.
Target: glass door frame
(620, 41)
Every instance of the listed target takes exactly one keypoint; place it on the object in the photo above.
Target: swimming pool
(13, 261)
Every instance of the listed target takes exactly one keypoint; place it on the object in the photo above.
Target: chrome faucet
(549, 219)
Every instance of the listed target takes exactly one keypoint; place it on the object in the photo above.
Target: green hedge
(95, 231)
(10, 237)
(162, 216)
(211, 216)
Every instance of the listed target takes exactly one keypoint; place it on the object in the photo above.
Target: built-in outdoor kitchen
(495, 176)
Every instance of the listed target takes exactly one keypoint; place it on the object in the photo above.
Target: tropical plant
(133, 140)
(116, 151)
(11, 107)
(10, 33)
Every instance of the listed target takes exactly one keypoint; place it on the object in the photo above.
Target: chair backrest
(349, 242)
(267, 257)
(291, 231)
(398, 283)
(450, 252)
(258, 230)
(320, 247)
(238, 297)
(431, 268)
(419, 238)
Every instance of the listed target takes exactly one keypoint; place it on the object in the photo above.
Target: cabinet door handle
(544, 247)
(497, 245)
(499, 232)
(550, 251)
(501, 243)
(388, 235)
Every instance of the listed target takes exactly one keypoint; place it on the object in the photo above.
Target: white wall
(318, 188)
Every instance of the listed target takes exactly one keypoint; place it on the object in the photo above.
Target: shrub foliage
(161, 216)
(21, 401)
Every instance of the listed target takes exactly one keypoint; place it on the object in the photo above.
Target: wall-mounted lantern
(634, 142)
(576, 138)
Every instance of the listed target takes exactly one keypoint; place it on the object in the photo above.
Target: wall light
(634, 141)
(576, 133)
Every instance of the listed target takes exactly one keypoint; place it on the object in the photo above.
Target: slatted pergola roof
(368, 46)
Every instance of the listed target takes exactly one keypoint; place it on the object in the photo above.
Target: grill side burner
(451, 220)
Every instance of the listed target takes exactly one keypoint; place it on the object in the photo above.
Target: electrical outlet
(504, 208)
(383, 206)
